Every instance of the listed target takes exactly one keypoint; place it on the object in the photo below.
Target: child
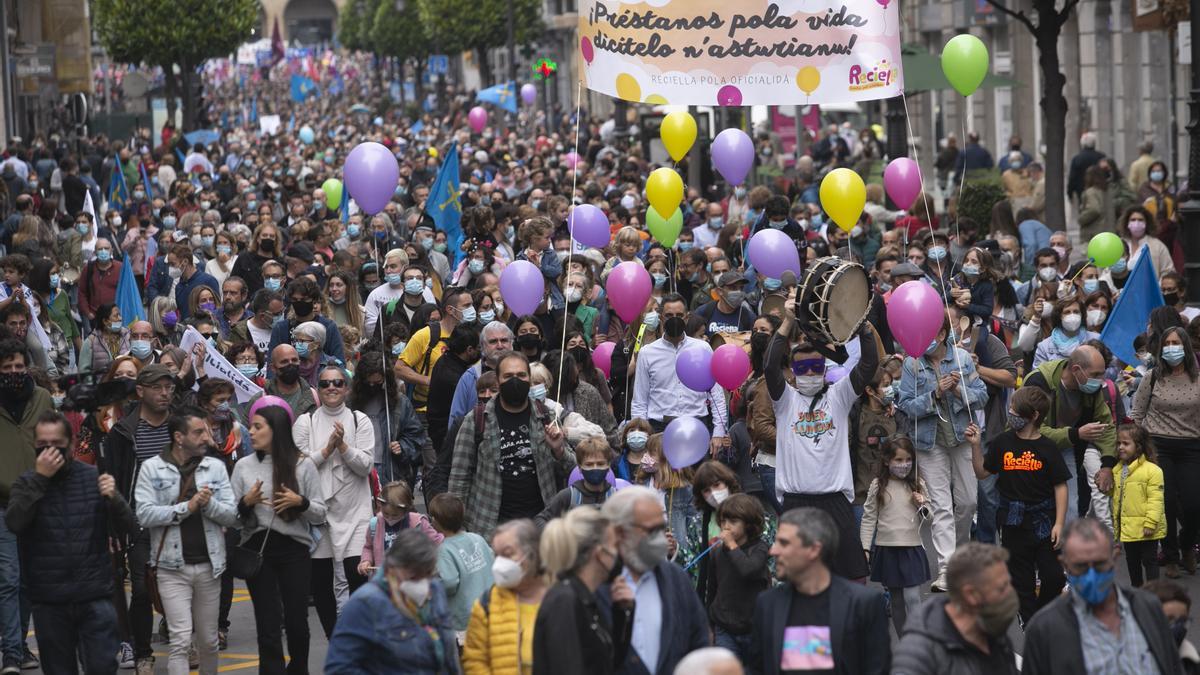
(1032, 482)
(635, 435)
(464, 559)
(974, 289)
(595, 460)
(874, 418)
(1139, 517)
(891, 527)
(738, 572)
(395, 502)
(1177, 606)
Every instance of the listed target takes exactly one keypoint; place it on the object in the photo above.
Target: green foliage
(399, 33)
(462, 25)
(978, 198)
(352, 24)
(167, 32)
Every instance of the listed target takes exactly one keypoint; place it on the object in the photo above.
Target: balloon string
(387, 408)
(562, 350)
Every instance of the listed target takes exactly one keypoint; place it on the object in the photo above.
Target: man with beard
(965, 630)
(285, 383)
(233, 304)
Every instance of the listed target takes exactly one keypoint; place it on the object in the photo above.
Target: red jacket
(97, 287)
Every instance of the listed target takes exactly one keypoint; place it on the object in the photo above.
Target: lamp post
(1190, 209)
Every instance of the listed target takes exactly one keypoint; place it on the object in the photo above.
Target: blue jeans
(87, 630)
(985, 511)
(766, 476)
(11, 636)
(738, 644)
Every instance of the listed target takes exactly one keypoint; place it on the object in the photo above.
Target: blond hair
(567, 541)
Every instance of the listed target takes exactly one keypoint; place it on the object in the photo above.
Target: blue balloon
(306, 135)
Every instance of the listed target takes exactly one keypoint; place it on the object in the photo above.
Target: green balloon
(1105, 249)
(965, 63)
(665, 230)
(332, 188)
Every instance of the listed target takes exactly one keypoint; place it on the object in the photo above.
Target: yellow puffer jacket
(1137, 501)
(493, 633)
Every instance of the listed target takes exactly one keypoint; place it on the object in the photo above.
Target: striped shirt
(149, 441)
(1108, 654)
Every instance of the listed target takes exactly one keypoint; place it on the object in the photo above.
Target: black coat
(442, 380)
(64, 525)
(858, 629)
(931, 644)
(572, 633)
(684, 621)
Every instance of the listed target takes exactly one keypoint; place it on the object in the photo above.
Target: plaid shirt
(475, 476)
(1108, 654)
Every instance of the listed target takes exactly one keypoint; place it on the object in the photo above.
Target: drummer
(729, 313)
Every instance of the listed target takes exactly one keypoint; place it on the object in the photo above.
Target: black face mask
(580, 354)
(759, 342)
(290, 375)
(11, 385)
(302, 307)
(514, 391)
(1171, 299)
(674, 326)
(529, 342)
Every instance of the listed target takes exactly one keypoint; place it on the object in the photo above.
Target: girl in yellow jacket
(1138, 509)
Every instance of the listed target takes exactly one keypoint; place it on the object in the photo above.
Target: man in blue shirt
(182, 267)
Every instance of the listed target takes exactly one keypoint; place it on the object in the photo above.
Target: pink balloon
(585, 47)
(602, 357)
(268, 401)
(628, 288)
(589, 226)
(577, 474)
(729, 95)
(730, 366)
(902, 178)
(693, 366)
(733, 155)
(571, 159)
(915, 314)
(478, 118)
(522, 287)
(772, 252)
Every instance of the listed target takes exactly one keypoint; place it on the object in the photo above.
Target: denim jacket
(918, 381)
(159, 509)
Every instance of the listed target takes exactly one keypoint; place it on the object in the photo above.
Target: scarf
(1065, 343)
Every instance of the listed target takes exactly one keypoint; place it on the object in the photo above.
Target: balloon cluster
(699, 369)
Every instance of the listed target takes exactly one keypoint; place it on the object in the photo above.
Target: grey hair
(1088, 139)
(413, 551)
(528, 539)
(382, 216)
(1087, 528)
(313, 330)
(813, 526)
(706, 660)
(493, 327)
(619, 507)
(968, 562)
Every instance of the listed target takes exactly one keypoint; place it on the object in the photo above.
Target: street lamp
(1190, 209)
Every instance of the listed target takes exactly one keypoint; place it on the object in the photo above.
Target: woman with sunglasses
(341, 442)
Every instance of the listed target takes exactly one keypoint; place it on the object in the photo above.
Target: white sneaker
(939, 584)
(125, 657)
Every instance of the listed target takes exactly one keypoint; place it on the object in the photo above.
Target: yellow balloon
(655, 99)
(678, 132)
(628, 88)
(808, 79)
(664, 189)
(843, 196)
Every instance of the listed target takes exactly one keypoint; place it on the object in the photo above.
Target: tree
(476, 25)
(400, 34)
(353, 25)
(169, 33)
(1045, 34)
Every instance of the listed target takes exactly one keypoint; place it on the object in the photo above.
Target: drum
(833, 299)
(69, 275)
(741, 339)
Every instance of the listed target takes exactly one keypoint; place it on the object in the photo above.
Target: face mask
(887, 397)
(1179, 630)
(1095, 317)
(207, 241)
(1157, 176)
(1047, 274)
(529, 342)
(59, 398)
(1047, 308)
(224, 250)
(104, 255)
(996, 617)
(417, 591)
(1071, 322)
(172, 271)
(810, 385)
(595, 476)
(650, 320)
(1061, 251)
(398, 348)
(1016, 422)
(1092, 586)
(932, 347)
(302, 307)
(380, 235)
(648, 464)
(937, 252)
(11, 384)
(247, 369)
(900, 470)
(856, 232)
(197, 241)
(1090, 385)
(970, 270)
(115, 326)
(1091, 286)
(636, 440)
(396, 278)
(884, 287)
(1173, 354)
(169, 222)
(82, 228)
(116, 221)
(141, 349)
(735, 298)
(54, 280)
(1171, 299)
(468, 315)
(674, 326)
(206, 205)
(685, 246)
(302, 350)
(1119, 267)
(772, 284)
(537, 392)
(514, 391)
(660, 280)
(650, 551)
(715, 223)
(574, 294)
(1137, 228)
(353, 231)
(535, 203)
(506, 572)
(440, 247)
(289, 375)
(272, 284)
(777, 224)
(139, 196)
(487, 316)
(715, 497)
(170, 319)
(475, 266)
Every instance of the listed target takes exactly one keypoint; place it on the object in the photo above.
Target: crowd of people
(342, 409)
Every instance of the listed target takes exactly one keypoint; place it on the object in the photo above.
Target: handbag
(151, 577)
(244, 562)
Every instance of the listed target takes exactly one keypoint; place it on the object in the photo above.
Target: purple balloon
(576, 474)
(902, 178)
(915, 313)
(685, 442)
(477, 118)
(269, 401)
(733, 155)
(522, 287)
(371, 174)
(772, 252)
(628, 287)
(528, 93)
(589, 226)
(693, 365)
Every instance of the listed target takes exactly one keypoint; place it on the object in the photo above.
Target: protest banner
(741, 52)
(217, 366)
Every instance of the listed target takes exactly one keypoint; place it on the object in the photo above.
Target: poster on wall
(741, 52)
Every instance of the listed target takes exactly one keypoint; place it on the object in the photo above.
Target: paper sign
(269, 124)
(216, 366)
(741, 52)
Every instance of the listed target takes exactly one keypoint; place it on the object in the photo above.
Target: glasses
(1101, 566)
(807, 366)
(325, 384)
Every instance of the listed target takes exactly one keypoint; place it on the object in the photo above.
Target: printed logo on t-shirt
(806, 648)
(812, 424)
(1026, 462)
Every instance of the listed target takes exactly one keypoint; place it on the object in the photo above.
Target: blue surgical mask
(54, 280)
(398, 348)
(207, 240)
(887, 396)
(302, 349)
(777, 224)
(970, 270)
(1173, 354)
(104, 255)
(487, 316)
(1120, 266)
(272, 284)
(82, 228)
(169, 221)
(932, 346)
(475, 266)
(353, 231)
(1092, 586)
(141, 349)
(224, 250)
(412, 286)
(116, 326)
(716, 223)
(937, 252)
(468, 315)
(248, 369)
(538, 392)
(636, 440)
(394, 278)
(1091, 386)
(685, 246)
(660, 280)
(427, 243)
(650, 320)
(772, 284)
(1091, 286)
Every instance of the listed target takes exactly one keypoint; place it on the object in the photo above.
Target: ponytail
(567, 541)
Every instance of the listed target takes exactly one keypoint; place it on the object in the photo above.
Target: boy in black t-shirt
(1032, 482)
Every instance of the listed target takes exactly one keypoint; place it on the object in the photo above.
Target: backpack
(577, 495)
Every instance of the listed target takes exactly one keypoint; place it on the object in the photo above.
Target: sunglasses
(808, 366)
(325, 384)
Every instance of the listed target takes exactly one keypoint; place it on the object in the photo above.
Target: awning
(923, 72)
